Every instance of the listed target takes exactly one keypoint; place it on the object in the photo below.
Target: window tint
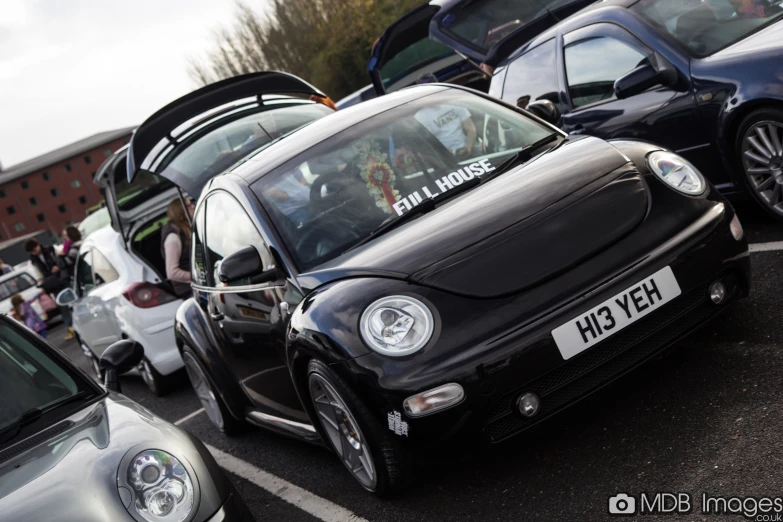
(84, 280)
(593, 65)
(413, 59)
(104, 272)
(199, 265)
(532, 76)
(31, 378)
(705, 27)
(483, 24)
(15, 285)
(223, 240)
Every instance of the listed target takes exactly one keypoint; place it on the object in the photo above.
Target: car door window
(103, 272)
(532, 77)
(230, 229)
(84, 278)
(595, 63)
(199, 266)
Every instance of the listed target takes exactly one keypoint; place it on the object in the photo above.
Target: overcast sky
(72, 68)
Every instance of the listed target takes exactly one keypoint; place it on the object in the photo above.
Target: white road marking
(189, 416)
(766, 247)
(316, 506)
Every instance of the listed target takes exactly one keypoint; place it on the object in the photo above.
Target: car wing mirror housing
(657, 72)
(119, 358)
(245, 263)
(546, 110)
(66, 297)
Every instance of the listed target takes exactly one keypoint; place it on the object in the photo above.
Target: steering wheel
(325, 235)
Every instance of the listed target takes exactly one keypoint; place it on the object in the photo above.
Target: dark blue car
(447, 41)
(703, 78)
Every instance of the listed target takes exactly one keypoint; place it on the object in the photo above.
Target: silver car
(71, 450)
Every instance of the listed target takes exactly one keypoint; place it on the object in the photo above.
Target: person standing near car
(54, 278)
(452, 125)
(175, 244)
(71, 245)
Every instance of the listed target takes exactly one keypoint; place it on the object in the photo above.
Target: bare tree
(326, 42)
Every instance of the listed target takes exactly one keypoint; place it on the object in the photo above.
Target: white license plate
(613, 315)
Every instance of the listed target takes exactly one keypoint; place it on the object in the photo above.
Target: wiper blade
(523, 155)
(10, 431)
(422, 208)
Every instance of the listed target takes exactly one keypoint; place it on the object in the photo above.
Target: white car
(23, 281)
(117, 295)
(120, 286)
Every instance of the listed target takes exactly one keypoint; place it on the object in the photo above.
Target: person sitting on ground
(24, 313)
(175, 244)
(451, 124)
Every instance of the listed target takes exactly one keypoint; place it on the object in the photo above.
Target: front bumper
(527, 360)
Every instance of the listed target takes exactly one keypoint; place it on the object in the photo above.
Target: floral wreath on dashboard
(377, 173)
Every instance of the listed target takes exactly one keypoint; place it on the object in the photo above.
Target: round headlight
(161, 486)
(397, 325)
(677, 172)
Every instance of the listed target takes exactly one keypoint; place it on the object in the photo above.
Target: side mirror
(546, 110)
(645, 76)
(119, 358)
(66, 297)
(244, 264)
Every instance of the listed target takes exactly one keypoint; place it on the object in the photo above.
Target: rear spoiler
(160, 125)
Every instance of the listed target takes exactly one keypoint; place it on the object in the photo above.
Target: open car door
(160, 138)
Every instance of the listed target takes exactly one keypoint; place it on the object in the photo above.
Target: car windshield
(31, 379)
(212, 152)
(707, 26)
(481, 25)
(14, 285)
(338, 193)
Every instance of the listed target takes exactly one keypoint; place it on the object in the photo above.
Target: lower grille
(588, 371)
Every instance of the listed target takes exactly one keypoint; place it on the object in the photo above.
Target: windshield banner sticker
(444, 184)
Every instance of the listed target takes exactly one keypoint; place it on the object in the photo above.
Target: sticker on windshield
(444, 184)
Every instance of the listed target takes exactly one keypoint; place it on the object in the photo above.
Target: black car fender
(192, 329)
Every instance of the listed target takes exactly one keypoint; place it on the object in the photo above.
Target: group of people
(56, 271)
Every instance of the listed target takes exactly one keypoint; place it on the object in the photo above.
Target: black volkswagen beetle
(436, 265)
(72, 451)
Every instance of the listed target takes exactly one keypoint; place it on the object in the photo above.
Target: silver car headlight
(397, 325)
(677, 172)
(162, 487)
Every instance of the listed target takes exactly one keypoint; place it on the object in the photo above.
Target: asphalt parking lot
(705, 418)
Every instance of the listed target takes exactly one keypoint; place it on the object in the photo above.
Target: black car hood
(512, 233)
(73, 475)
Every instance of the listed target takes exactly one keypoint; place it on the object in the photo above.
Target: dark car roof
(565, 25)
(301, 140)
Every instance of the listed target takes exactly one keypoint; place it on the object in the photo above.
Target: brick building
(55, 189)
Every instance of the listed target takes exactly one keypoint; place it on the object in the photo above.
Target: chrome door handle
(217, 316)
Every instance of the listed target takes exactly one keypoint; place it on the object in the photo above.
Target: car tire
(157, 383)
(760, 158)
(210, 399)
(391, 464)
